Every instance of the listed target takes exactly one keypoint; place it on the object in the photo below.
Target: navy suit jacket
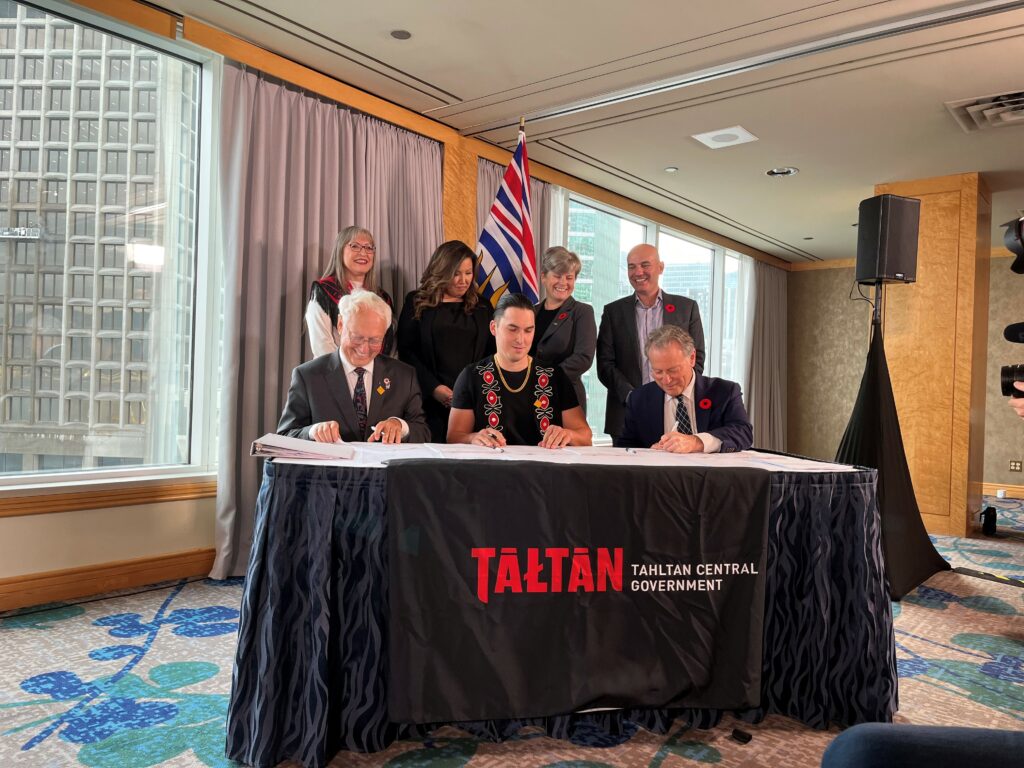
(724, 417)
(620, 355)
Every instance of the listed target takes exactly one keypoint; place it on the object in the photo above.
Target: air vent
(988, 112)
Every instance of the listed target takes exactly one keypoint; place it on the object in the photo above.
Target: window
(119, 69)
(32, 68)
(58, 129)
(88, 131)
(601, 240)
(89, 99)
(60, 99)
(89, 68)
(85, 339)
(718, 280)
(31, 98)
(64, 37)
(60, 68)
(117, 99)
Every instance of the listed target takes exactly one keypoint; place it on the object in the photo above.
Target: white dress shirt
(711, 443)
(351, 377)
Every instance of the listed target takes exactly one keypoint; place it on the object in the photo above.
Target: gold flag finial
(522, 123)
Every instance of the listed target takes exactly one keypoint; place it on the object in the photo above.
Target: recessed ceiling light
(725, 137)
(401, 34)
(671, 169)
(781, 173)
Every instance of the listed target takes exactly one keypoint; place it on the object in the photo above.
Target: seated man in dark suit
(356, 394)
(683, 411)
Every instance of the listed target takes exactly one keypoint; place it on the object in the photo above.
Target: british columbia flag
(506, 258)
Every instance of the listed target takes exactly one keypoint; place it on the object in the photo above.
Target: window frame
(712, 317)
(45, 492)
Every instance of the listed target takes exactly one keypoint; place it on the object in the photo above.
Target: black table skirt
(310, 674)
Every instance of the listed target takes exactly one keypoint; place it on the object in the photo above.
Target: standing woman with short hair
(444, 327)
(352, 267)
(566, 333)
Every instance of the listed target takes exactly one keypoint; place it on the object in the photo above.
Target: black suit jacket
(570, 343)
(718, 405)
(620, 356)
(319, 392)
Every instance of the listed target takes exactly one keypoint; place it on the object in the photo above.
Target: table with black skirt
(312, 670)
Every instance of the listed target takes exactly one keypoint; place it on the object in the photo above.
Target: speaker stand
(873, 439)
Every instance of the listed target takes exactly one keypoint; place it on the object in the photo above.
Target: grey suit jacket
(620, 356)
(570, 343)
(319, 392)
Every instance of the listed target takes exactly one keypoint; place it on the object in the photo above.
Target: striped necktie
(359, 402)
(683, 416)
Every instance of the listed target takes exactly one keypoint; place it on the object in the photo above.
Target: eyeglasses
(372, 341)
(357, 247)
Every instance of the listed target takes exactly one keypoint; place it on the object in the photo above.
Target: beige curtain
(294, 170)
(766, 394)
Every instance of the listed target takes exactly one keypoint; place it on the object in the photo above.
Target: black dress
(439, 345)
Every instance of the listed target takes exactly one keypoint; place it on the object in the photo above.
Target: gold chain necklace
(529, 362)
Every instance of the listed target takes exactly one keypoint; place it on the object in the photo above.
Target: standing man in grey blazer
(625, 326)
(356, 394)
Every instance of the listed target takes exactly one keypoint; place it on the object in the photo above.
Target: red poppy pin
(563, 316)
(705, 404)
(670, 307)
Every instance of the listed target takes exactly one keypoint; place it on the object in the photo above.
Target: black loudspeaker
(887, 239)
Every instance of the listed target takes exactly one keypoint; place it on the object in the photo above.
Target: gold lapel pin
(380, 390)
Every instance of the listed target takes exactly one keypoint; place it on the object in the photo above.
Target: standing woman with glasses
(352, 268)
(566, 333)
(443, 328)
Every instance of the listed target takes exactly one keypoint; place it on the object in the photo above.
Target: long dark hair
(440, 271)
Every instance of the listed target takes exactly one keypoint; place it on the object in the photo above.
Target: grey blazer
(620, 356)
(570, 343)
(319, 392)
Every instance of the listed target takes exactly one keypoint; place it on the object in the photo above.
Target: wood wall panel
(920, 330)
(89, 580)
(931, 339)
(459, 190)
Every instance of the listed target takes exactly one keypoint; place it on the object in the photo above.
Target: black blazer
(319, 392)
(718, 406)
(620, 356)
(416, 342)
(570, 343)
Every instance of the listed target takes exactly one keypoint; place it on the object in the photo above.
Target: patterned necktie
(683, 416)
(359, 401)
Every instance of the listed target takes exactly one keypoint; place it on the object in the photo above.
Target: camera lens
(1008, 375)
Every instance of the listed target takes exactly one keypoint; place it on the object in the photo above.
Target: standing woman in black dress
(352, 267)
(444, 327)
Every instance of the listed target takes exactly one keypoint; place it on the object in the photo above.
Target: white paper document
(294, 451)
(279, 446)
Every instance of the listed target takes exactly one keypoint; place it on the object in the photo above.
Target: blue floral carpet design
(142, 679)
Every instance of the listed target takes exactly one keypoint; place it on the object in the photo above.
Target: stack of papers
(280, 447)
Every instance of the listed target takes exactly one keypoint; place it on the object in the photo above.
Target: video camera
(1013, 238)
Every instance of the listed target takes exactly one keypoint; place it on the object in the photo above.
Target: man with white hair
(356, 394)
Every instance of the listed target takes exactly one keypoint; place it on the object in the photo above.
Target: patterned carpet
(142, 679)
